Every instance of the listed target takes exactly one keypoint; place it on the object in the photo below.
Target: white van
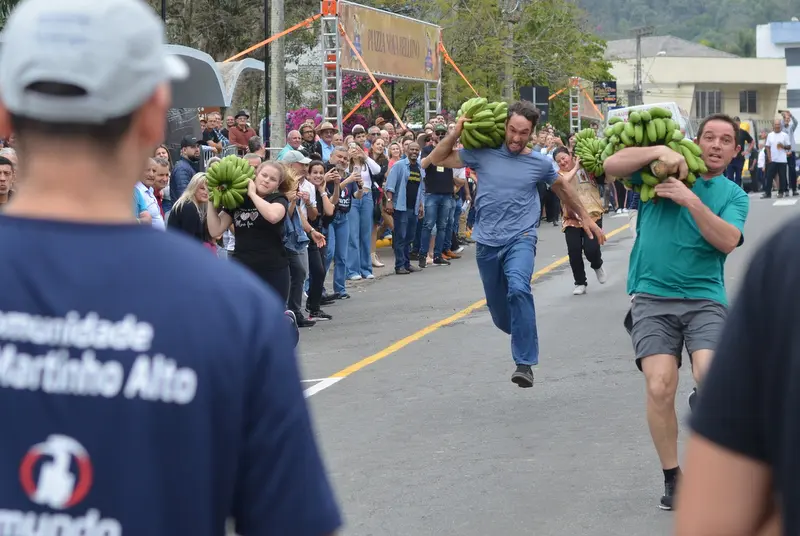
(678, 114)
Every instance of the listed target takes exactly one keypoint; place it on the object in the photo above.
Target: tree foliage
(726, 24)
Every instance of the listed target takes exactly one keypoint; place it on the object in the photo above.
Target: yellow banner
(391, 45)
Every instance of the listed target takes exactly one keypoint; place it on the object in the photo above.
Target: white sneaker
(370, 276)
(580, 290)
(601, 275)
(355, 278)
(459, 250)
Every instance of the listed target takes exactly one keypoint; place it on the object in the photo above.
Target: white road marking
(784, 202)
(324, 384)
(621, 215)
(314, 381)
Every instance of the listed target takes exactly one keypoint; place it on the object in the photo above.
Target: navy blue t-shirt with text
(147, 388)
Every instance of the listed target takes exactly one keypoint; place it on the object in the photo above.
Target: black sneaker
(423, 262)
(327, 300)
(669, 495)
(319, 314)
(402, 271)
(441, 261)
(692, 398)
(414, 256)
(303, 322)
(523, 376)
(412, 269)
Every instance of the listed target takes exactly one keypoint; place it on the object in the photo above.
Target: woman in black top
(258, 224)
(318, 254)
(188, 214)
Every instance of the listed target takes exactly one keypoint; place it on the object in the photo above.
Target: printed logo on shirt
(57, 474)
(245, 218)
(54, 370)
(414, 176)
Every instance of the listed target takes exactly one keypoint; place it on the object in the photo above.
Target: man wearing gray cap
(129, 416)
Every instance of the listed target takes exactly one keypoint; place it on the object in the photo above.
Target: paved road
(433, 439)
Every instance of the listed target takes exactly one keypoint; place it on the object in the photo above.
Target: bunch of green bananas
(653, 126)
(227, 181)
(486, 125)
(589, 148)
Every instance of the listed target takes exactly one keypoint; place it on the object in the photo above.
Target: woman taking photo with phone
(258, 222)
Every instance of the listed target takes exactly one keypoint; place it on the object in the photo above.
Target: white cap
(295, 157)
(112, 51)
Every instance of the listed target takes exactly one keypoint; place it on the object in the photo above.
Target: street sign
(605, 92)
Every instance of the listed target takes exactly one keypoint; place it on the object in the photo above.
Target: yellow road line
(402, 343)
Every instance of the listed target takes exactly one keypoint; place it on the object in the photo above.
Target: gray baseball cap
(112, 53)
(295, 157)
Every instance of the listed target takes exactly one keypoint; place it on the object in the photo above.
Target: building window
(747, 102)
(707, 103)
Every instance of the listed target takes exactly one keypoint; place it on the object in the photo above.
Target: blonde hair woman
(258, 222)
(188, 214)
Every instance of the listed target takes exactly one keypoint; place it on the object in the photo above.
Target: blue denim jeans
(437, 210)
(359, 250)
(506, 273)
(452, 224)
(338, 237)
(405, 225)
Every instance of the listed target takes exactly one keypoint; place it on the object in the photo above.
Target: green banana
(677, 135)
(634, 117)
(482, 139)
(625, 138)
(652, 132)
(618, 128)
(476, 107)
(692, 146)
(661, 128)
(628, 130)
(646, 193)
(614, 120)
(638, 132)
(657, 111)
(480, 125)
(645, 115)
(647, 178)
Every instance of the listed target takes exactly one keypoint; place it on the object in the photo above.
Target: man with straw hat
(324, 145)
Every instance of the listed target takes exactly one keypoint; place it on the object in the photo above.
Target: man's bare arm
(628, 161)
(445, 154)
(723, 492)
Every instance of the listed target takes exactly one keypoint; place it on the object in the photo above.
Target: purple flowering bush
(295, 118)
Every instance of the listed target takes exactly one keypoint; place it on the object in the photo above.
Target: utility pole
(264, 135)
(642, 31)
(277, 71)
(164, 10)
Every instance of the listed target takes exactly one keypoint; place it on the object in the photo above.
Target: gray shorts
(664, 325)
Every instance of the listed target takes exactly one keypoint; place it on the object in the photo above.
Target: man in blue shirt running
(506, 222)
(121, 413)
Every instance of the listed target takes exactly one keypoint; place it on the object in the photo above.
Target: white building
(700, 79)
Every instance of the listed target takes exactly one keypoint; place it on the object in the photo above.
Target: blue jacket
(396, 183)
(181, 175)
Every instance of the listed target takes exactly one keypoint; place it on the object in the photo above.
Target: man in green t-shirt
(676, 276)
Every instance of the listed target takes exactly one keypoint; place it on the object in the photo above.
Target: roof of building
(625, 49)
